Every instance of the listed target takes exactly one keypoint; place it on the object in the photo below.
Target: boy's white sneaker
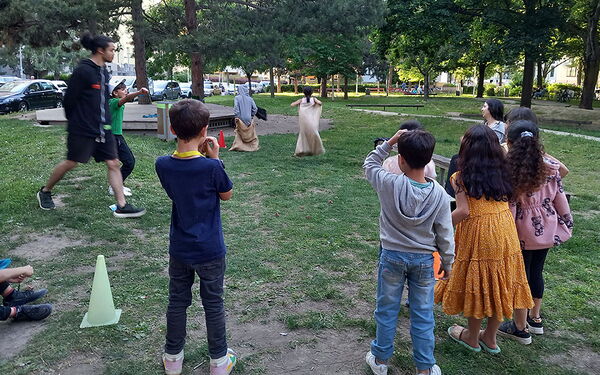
(173, 363)
(223, 365)
(126, 191)
(376, 368)
(435, 370)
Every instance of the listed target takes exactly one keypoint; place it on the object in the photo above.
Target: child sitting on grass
(116, 104)
(14, 301)
(196, 184)
(415, 221)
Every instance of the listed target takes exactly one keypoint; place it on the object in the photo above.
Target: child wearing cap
(116, 104)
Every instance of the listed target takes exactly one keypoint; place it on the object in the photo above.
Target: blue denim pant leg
(421, 284)
(182, 277)
(395, 269)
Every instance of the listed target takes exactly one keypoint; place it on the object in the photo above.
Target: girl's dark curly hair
(525, 157)
(482, 165)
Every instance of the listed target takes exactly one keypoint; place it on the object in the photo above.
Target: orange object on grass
(222, 140)
(436, 266)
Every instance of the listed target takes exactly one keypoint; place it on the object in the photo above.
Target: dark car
(166, 90)
(29, 94)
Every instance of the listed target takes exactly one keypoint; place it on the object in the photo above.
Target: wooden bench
(417, 106)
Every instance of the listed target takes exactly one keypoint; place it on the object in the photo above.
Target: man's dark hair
(92, 43)
(496, 109)
(411, 125)
(416, 147)
(188, 118)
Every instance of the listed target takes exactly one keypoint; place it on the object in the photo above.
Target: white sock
(174, 357)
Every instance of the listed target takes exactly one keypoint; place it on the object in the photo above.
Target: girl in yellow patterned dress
(488, 278)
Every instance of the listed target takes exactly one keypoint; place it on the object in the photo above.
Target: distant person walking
(309, 113)
(244, 110)
(88, 115)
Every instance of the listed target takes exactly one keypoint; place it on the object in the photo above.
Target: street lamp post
(21, 61)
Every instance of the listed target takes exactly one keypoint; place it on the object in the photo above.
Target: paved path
(385, 113)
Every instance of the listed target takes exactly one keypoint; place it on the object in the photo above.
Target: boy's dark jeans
(180, 297)
(125, 156)
(4, 310)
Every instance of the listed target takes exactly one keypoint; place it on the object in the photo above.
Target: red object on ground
(222, 140)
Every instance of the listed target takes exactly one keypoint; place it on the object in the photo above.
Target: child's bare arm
(226, 196)
(562, 169)
(17, 274)
(317, 101)
(462, 204)
(130, 97)
(296, 103)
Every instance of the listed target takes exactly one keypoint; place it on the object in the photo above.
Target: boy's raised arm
(130, 97)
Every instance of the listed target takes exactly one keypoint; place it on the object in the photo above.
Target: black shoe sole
(40, 203)
(520, 340)
(129, 214)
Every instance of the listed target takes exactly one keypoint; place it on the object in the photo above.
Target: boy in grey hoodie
(415, 221)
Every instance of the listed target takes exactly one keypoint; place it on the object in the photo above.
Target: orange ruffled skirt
(488, 278)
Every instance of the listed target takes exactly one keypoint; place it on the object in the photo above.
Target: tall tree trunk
(540, 75)
(591, 60)
(249, 75)
(500, 74)
(388, 84)
(295, 85)
(480, 78)
(324, 87)
(278, 82)
(357, 84)
(579, 72)
(197, 68)
(139, 49)
(426, 86)
(346, 87)
(528, 75)
(271, 82)
(332, 87)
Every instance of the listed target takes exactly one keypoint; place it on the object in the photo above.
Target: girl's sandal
(487, 348)
(452, 332)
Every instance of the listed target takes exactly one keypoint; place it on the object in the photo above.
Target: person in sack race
(244, 110)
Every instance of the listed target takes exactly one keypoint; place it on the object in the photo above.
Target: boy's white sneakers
(377, 369)
(126, 191)
(435, 370)
(173, 363)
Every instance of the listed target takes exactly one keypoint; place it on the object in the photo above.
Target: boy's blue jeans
(396, 268)
(182, 277)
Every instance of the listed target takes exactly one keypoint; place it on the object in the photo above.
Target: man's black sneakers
(45, 199)
(129, 211)
(32, 312)
(18, 298)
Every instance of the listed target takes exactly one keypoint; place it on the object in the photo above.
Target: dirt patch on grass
(42, 247)
(16, 335)
(581, 360)
(80, 364)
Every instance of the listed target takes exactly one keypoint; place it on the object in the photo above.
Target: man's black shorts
(81, 149)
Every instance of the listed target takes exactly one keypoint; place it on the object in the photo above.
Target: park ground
(303, 241)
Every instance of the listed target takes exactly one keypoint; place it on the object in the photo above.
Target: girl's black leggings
(534, 265)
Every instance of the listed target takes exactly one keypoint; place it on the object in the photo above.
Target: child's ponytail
(525, 157)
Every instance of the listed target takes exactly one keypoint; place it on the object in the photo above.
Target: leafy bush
(468, 90)
(489, 89)
(63, 77)
(555, 88)
(515, 90)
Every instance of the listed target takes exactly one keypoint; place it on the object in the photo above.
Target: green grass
(303, 240)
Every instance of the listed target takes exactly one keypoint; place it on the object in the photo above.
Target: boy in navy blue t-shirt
(195, 180)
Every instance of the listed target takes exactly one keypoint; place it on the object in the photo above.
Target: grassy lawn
(303, 241)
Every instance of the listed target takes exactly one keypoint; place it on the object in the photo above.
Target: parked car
(208, 88)
(61, 85)
(4, 79)
(228, 88)
(186, 89)
(256, 87)
(166, 90)
(29, 94)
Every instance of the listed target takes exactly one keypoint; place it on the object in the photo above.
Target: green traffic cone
(101, 311)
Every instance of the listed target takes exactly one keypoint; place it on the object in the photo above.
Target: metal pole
(21, 60)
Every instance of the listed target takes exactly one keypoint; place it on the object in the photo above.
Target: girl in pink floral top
(542, 216)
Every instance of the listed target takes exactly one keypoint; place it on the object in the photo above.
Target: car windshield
(160, 84)
(185, 85)
(14, 86)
